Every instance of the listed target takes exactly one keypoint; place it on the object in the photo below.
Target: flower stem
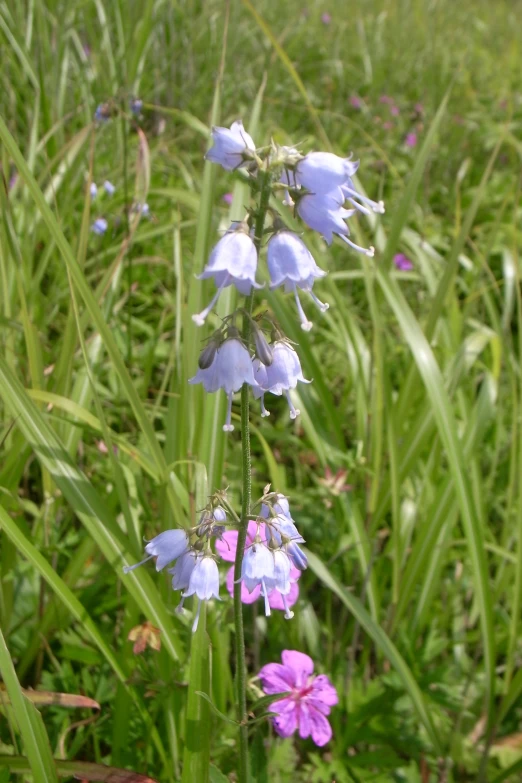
(241, 673)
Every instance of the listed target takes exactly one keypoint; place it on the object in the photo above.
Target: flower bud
(263, 350)
(206, 357)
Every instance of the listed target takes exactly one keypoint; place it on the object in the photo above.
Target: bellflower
(93, 190)
(281, 376)
(281, 506)
(322, 172)
(258, 568)
(136, 105)
(109, 188)
(232, 146)
(309, 701)
(324, 213)
(230, 369)
(203, 583)
(291, 264)
(233, 261)
(99, 226)
(166, 547)
(227, 548)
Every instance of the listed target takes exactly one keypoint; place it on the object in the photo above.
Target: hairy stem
(241, 673)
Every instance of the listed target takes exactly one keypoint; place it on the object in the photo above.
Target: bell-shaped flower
(233, 261)
(93, 190)
(282, 375)
(182, 571)
(166, 547)
(282, 527)
(258, 568)
(109, 188)
(99, 226)
(281, 506)
(322, 172)
(232, 146)
(291, 264)
(296, 555)
(203, 583)
(230, 369)
(324, 213)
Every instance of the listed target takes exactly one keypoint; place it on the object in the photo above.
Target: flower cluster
(272, 562)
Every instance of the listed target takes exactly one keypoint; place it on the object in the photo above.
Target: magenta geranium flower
(226, 547)
(402, 262)
(308, 702)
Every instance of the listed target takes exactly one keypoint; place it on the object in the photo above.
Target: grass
(412, 600)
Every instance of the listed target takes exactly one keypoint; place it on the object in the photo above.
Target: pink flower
(226, 547)
(386, 99)
(411, 140)
(326, 18)
(227, 198)
(402, 262)
(395, 111)
(388, 125)
(356, 102)
(419, 108)
(310, 697)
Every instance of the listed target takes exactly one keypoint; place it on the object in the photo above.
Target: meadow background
(404, 468)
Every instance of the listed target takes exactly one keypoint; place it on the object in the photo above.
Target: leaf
(79, 770)
(47, 698)
(29, 721)
(215, 709)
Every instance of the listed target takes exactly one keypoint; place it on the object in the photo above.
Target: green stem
(241, 673)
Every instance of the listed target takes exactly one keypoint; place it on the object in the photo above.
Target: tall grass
(412, 601)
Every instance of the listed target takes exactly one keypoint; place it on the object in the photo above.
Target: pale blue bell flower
(322, 172)
(203, 583)
(109, 188)
(281, 506)
(231, 146)
(297, 556)
(99, 226)
(230, 369)
(182, 571)
(291, 264)
(324, 213)
(282, 566)
(219, 513)
(93, 190)
(166, 547)
(258, 568)
(233, 261)
(283, 374)
(260, 388)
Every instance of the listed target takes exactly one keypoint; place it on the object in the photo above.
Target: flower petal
(323, 691)
(276, 678)
(276, 601)
(226, 546)
(246, 597)
(320, 728)
(285, 723)
(301, 664)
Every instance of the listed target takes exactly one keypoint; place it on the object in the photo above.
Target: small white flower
(203, 583)
(233, 261)
(231, 146)
(291, 264)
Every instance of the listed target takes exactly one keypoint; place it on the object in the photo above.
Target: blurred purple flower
(395, 111)
(326, 18)
(419, 108)
(386, 99)
(411, 140)
(356, 102)
(402, 262)
(227, 198)
(388, 125)
(309, 701)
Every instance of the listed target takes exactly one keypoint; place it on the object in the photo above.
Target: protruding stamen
(268, 611)
(306, 325)
(228, 427)
(323, 306)
(200, 318)
(294, 412)
(179, 608)
(127, 569)
(264, 411)
(360, 207)
(288, 200)
(288, 614)
(196, 618)
(375, 206)
(368, 251)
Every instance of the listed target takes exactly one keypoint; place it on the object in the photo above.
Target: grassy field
(404, 468)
